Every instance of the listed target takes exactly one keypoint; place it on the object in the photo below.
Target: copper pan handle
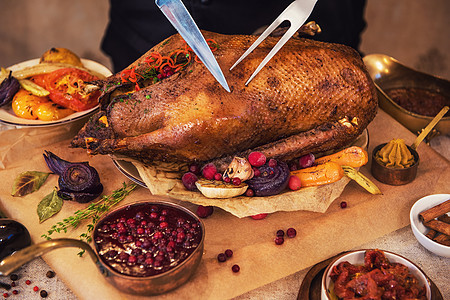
(11, 263)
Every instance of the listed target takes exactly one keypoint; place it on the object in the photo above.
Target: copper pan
(388, 73)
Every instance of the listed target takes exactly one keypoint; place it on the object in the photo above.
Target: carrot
(353, 156)
(327, 172)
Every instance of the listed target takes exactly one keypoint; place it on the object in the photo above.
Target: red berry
(294, 183)
(195, 168)
(279, 240)
(35, 289)
(218, 176)
(228, 253)
(227, 179)
(236, 181)
(235, 268)
(280, 233)
(259, 216)
(221, 257)
(209, 170)
(256, 159)
(189, 180)
(249, 193)
(291, 232)
(28, 282)
(306, 161)
(256, 172)
(343, 204)
(204, 211)
(272, 163)
(6, 295)
(15, 292)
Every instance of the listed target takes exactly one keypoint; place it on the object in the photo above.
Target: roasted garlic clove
(240, 168)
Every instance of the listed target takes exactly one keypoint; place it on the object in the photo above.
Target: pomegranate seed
(272, 163)
(189, 180)
(28, 282)
(204, 211)
(228, 253)
(258, 216)
(249, 193)
(209, 170)
(306, 161)
(279, 240)
(343, 204)
(236, 181)
(35, 289)
(218, 176)
(291, 232)
(235, 268)
(256, 159)
(294, 183)
(280, 233)
(221, 257)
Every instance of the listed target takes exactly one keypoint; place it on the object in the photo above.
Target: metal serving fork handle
(296, 13)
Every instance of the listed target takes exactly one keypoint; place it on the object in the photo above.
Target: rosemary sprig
(94, 211)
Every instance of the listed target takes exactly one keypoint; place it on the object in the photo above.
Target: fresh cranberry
(163, 225)
(256, 172)
(306, 161)
(235, 268)
(149, 261)
(272, 163)
(28, 282)
(291, 232)
(221, 257)
(6, 295)
(227, 179)
(259, 216)
(15, 292)
(218, 176)
(189, 179)
(236, 181)
(204, 211)
(195, 168)
(228, 253)
(343, 204)
(280, 233)
(256, 159)
(279, 240)
(132, 259)
(154, 215)
(35, 288)
(140, 230)
(294, 183)
(208, 171)
(249, 193)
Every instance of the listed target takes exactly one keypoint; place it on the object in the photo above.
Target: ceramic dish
(388, 73)
(129, 170)
(357, 258)
(8, 117)
(419, 230)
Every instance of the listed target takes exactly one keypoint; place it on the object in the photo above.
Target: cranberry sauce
(147, 239)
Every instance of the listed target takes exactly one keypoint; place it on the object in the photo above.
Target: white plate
(420, 230)
(8, 117)
(129, 170)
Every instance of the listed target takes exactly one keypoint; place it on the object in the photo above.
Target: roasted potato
(61, 55)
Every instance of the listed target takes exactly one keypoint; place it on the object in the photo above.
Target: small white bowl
(357, 258)
(420, 230)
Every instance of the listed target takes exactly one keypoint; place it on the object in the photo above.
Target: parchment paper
(319, 235)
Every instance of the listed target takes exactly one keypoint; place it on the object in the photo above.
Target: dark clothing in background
(137, 25)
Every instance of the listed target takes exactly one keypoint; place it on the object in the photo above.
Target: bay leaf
(28, 182)
(49, 206)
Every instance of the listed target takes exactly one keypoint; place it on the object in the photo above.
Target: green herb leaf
(28, 182)
(49, 206)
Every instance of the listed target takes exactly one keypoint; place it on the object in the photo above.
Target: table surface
(401, 241)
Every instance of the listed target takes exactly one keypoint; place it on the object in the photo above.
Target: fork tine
(265, 34)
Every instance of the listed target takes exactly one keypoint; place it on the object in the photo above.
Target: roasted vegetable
(77, 181)
(61, 55)
(361, 180)
(320, 174)
(8, 88)
(352, 156)
(272, 180)
(25, 104)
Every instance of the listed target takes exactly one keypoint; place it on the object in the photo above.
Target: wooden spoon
(429, 127)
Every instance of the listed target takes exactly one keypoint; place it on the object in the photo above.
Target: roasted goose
(311, 97)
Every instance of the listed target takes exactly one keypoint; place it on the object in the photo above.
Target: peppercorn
(13, 277)
(50, 274)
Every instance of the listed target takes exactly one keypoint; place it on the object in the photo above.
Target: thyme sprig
(94, 211)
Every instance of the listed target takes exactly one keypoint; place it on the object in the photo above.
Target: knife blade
(178, 15)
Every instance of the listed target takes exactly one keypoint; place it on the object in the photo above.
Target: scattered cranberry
(236, 181)
(343, 204)
(28, 282)
(306, 161)
(44, 294)
(272, 163)
(6, 295)
(227, 179)
(195, 168)
(291, 232)
(256, 172)
(294, 183)
(279, 240)
(204, 211)
(249, 193)
(209, 170)
(280, 233)
(256, 159)
(235, 268)
(189, 180)
(258, 216)
(35, 288)
(15, 292)
(221, 257)
(218, 176)
(228, 253)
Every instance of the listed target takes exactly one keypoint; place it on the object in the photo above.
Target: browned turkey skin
(311, 97)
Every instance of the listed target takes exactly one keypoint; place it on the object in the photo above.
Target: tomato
(66, 87)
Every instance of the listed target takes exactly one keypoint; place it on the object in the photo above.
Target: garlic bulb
(240, 168)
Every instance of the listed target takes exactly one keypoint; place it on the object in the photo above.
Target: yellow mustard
(395, 154)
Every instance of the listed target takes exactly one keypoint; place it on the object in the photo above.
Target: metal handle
(19, 258)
